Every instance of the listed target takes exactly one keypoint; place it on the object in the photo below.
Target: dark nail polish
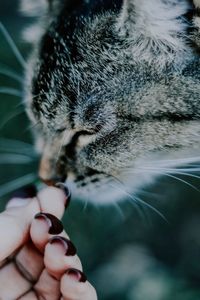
(77, 275)
(28, 191)
(69, 247)
(55, 225)
(67, 192)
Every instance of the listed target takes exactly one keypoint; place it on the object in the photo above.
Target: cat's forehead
(75, 46)
(76, 16)
(82, 30)
(72, 13)
(82, 54)
(86, 8)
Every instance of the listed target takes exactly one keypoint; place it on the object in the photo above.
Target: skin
(26, 243)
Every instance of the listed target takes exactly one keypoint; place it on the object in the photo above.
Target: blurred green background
(127, 256)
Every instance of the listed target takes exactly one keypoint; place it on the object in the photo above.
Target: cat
(112, 90)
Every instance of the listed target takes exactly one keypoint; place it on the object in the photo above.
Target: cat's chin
(111, 191)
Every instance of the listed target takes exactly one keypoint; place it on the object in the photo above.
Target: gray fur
(137, 96)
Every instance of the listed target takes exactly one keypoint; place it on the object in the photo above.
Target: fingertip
(42, 227)
(66, 191)
(76, 275)
(60, 254)
(53, 201)
(71, 288)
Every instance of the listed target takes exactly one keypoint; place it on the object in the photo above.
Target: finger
(74, 286)
(43, 227)
(29, 296)
(3, 262)
(52, 202)
(47, 287)
(60, 255)
(30, 262)
(12, 283)
(15, 223)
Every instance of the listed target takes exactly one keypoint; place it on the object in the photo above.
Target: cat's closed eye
(60, 130)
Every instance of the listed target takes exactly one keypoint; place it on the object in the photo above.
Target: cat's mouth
(95, 179)
(95, 189)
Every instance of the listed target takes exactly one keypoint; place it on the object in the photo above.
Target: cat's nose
(49, 182)
(47, 173)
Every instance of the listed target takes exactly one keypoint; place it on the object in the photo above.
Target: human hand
(37, 259)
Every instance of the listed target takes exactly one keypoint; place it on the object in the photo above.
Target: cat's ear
(34, 8)
(196, 21)
(39, 10)
(153, 25)
(197, 3)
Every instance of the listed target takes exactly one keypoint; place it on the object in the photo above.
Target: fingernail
(70, 249)
(55, 225)
(28, 191)
(67, 192)
(76, 275)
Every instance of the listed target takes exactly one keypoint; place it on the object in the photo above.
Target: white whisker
(61, 146)
(6, 159)
(178, 161)
(10, 117)
(15, 146)
(163, 173)
(151, 207)
(11, 74)
(11, 91)
(133, 201)
(183, 181)
(119, 210)
(16, 143)
(147, 193)
(137, 200)
(32, 126)
(12, 45)
(85, 205)
(17, 183)
(179, 171)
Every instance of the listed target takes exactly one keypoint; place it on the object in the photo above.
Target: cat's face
(108, 91)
